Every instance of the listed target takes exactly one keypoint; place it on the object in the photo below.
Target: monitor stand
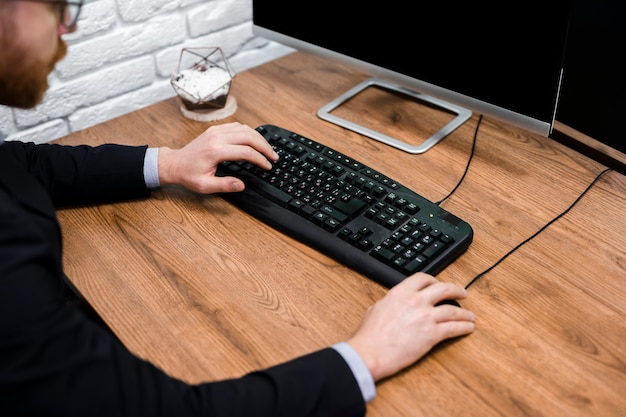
(460, 115)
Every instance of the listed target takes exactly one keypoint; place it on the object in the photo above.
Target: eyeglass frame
(64, 6)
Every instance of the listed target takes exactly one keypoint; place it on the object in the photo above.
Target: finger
(265, 144)
(451, 329)
(446, 312)
(238, 134)
(243, 153)
(418, 281)
(221, 185)
(255, 140)
(257, 158)
(440, 291)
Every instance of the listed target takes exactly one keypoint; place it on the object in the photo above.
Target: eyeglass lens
(69, 14)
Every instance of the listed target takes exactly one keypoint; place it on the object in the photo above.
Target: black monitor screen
(485, 56)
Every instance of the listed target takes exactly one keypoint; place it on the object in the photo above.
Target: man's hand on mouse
(406, 323)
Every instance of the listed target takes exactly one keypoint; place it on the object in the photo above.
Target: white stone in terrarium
(202, 85)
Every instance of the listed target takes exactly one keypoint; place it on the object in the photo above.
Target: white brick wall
(121, 57)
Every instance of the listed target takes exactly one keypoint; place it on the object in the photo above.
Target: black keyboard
(346, 210)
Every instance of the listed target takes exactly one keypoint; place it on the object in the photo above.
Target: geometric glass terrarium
(202, 78)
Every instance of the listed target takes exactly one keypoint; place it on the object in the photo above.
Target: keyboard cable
(558, 216)
(545, 226)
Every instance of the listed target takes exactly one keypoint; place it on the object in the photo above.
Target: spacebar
(267, 190)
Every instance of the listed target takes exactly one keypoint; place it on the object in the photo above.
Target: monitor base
(461, 116)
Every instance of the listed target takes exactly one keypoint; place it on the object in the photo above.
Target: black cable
(540, 230)
(480, 118)
(534, 234)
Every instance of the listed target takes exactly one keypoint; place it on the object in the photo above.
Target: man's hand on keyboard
(406, 323)
(194, 165)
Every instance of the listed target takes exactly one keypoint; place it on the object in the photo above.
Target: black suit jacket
(55, 361)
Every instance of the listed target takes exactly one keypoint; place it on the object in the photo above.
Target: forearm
(81, 174)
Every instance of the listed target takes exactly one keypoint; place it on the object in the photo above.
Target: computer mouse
(451, 302)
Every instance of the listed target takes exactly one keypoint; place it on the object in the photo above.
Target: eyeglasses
(68, 11)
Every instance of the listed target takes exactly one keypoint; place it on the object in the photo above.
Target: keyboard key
(349, 207)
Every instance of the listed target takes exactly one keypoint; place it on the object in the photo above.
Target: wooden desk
(207, 292)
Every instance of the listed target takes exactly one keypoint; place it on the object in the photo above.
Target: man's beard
(25, 86)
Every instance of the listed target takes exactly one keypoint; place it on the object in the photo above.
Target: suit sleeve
(65, 365)
(55, 361)
(76, 175)
(318, 384)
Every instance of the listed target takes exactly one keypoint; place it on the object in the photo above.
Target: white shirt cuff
(360, 371)
(151, 168)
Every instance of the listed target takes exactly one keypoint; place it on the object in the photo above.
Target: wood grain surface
(207, 292)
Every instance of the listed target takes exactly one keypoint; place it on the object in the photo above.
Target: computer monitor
(590, 117)
(500, 60)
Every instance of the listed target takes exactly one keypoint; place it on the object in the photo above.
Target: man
(56, 361)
